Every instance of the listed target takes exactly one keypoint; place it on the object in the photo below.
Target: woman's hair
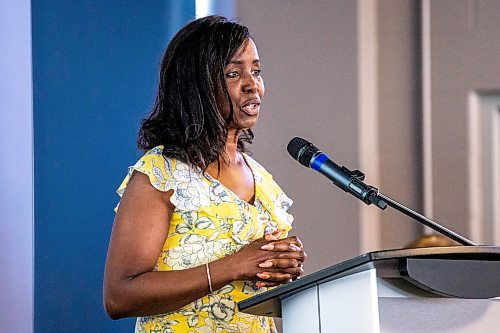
(185, 117)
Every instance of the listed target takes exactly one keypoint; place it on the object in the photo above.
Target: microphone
(350, 181)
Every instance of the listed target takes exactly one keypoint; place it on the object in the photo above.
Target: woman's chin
(244, 125)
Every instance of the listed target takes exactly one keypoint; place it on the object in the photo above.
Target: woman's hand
(273, 267)
(269, 260)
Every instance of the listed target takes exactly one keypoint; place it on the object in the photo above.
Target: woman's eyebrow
(240, 62)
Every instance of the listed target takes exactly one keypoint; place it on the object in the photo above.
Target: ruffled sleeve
(190, 191)
(158, 169)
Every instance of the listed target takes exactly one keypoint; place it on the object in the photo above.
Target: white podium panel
(350, 296)
(302, 313)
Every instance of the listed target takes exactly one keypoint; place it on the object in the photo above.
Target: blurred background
(407, 91)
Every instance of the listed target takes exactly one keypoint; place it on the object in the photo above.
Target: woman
(200, 225)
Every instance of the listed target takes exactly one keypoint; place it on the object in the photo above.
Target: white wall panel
(16, 168)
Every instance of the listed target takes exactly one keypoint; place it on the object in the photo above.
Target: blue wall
(95, 68)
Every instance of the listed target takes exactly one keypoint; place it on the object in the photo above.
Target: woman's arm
(132, 288)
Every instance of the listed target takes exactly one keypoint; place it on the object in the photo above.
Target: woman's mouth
(251, 108)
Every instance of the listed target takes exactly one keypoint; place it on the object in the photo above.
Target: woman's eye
(232, 74)
(256, 72)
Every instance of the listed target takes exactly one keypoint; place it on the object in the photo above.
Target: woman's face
(245, 87)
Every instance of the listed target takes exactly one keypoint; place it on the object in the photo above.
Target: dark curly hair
(185, 118)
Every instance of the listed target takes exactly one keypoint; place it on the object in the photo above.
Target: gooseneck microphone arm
(352, 182)
(424, 220)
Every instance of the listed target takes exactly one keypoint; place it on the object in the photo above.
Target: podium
(441, 289)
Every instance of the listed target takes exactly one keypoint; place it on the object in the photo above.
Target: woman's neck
(231, 149)
(229, 158)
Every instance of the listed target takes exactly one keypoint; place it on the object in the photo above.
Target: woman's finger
(297, 255)
(281, 275)
(261, 284)
(270, 259)
(280, 263)
(275, 277)
(294, 272)
(270, 237)
(292, 243)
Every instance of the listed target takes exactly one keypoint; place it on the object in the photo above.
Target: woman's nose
(249, 84)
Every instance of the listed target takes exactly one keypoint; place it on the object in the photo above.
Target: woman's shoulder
(156, 166)
(161, 170)
(154, 156)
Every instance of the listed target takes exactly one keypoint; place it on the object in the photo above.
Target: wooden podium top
(456, 271)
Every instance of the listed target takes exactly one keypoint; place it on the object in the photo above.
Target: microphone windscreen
(301, 150)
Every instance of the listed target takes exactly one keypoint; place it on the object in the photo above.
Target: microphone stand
(381, 201)
(371, 195)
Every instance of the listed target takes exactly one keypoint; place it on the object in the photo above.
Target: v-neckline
(233, 194)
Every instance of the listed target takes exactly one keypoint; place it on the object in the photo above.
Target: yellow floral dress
(208, 223)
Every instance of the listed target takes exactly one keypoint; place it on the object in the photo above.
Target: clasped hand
(271, 261)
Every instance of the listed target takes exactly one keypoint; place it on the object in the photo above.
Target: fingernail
(280, 231)
(260, 284)
(267, 247)
(294, 247)
(270, 237)
(266, 263)
(263, 275)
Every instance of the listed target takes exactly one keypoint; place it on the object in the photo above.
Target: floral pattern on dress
(210, 222)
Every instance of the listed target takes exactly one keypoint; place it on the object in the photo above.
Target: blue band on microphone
(318, 161)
